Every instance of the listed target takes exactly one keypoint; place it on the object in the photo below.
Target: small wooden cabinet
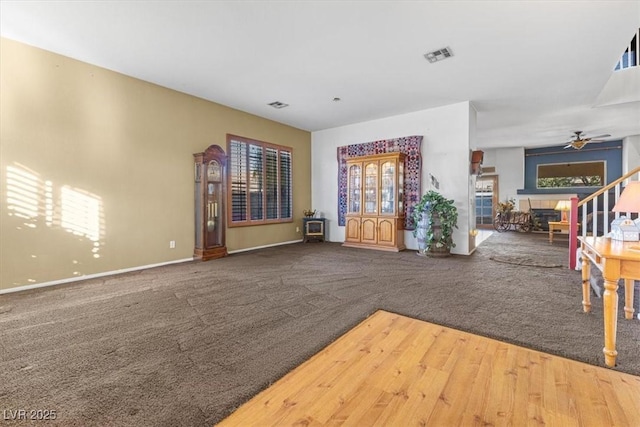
(375, 202)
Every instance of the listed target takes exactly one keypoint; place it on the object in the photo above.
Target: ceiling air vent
(439, 55)
(278, 104)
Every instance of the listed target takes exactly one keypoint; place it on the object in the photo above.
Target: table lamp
(628, 202)
(564, 206)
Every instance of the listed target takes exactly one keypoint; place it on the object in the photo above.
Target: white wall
(630, 153)
(446, 135)
(509, 164)
(471, 183)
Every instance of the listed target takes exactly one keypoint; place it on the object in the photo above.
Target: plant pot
(437, 216)
(421, 233)
(433, 250)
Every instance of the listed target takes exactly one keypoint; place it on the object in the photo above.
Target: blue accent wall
(610, 151)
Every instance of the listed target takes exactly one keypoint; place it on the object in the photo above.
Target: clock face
(214, 172)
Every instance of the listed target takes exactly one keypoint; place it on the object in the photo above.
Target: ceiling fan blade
(600, 136)
(569, 145)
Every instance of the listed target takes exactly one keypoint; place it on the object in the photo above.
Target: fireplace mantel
(541, 201)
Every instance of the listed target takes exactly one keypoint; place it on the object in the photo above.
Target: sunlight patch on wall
(22, 192)
(37, 203)
(80, 213)
(48, 203)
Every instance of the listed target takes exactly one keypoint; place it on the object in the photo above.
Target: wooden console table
(617, 261)
(557, 225)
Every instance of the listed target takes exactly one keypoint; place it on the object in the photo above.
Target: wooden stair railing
(593, 198)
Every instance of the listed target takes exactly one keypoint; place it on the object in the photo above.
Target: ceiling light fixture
(336, 99)
(439, 55)
(278, 104)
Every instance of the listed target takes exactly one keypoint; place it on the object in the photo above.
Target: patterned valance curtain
(409, 145)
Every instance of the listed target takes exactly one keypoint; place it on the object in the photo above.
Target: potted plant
(435, 217)
(506, 207)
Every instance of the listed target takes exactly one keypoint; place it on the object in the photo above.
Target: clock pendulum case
(210, 203)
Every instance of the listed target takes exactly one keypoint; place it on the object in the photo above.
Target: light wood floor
(396, 371)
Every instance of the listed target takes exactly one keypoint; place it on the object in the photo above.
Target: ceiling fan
(578, 140)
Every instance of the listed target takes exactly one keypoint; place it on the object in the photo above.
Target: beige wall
(120, 150)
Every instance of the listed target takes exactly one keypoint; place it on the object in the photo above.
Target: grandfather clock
(210, 201)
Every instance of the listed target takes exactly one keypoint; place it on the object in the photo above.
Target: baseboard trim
(265, 246)
(125, 270)
(89, 276)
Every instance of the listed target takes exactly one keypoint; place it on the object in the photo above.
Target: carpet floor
(185, 344)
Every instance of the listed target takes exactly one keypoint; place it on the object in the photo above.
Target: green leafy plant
(440, 211)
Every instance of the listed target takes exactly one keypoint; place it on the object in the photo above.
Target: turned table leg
(611, 274)
(628, 298)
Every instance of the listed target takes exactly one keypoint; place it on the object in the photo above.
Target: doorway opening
(486, 200)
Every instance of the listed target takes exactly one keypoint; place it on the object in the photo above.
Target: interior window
(575, 174)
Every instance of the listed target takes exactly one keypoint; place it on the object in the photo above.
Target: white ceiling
(534, 70)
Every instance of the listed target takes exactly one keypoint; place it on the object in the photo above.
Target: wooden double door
(380, 232)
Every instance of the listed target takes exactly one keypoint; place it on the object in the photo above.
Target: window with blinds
(256, 182)
(285, 184)
(238, 181)
(259, 182)
(271, 167)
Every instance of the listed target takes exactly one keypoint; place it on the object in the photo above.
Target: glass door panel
(354, 189)
(486, 194)
(214, 204)
(371, 188)
(387, 191)
(400, 188)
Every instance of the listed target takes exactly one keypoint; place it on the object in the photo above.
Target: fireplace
(546, 215)
(313, 229)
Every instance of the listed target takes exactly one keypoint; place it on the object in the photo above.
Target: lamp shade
(629, 200)
(564, 206)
